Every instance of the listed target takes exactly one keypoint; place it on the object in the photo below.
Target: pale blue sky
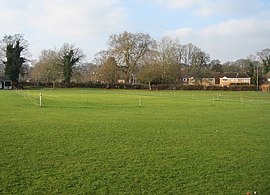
(227, 30)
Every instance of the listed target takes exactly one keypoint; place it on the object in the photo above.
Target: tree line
(129, 58)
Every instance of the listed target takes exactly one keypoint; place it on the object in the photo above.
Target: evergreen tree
(13, 47)
(69, 56)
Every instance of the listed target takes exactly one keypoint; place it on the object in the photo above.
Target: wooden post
(40, 99)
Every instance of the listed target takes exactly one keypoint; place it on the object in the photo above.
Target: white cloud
(231, 39)
(182, 32)
(88, 23)
(223, 8)
(50, 23)
(176, 4)
(80, 18)
(229, 8)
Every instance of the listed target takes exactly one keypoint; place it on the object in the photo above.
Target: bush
(242, 88)
(189, 87)
(216, 88)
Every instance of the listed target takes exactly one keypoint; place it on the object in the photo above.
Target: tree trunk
(149, 85)
(15, 84)
(53, 84)
(127, 77)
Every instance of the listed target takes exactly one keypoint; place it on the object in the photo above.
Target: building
(5, 83)
(184, 79)
(211, 79)
(234, 78)
(266, 78)
(266, 82)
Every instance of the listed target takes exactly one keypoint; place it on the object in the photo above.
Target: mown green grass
(85, 141)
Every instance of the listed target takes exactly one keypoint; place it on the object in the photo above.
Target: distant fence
(27, 95)
(37, 98)
(214, 97)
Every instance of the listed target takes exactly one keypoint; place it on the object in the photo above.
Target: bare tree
(85, 72)
(150, 73)
(101, 57)
(169, 56)
(264, 56)
(216, 66)
(108, 71)
(199, 68)
(230, 67)
(189, 51)
(128, 49)
(47, 68)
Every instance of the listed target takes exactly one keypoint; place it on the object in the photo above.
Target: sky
(226, 29)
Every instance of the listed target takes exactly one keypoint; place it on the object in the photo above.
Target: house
(266, 82)
(211, 79)
(121, 81)
(266, 78)
(184, 79)
(5, 83)
(234, 78)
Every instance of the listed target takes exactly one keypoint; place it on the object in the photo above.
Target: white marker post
(140, 101)
(40, 99)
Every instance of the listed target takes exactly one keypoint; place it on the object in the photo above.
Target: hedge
(141, 86)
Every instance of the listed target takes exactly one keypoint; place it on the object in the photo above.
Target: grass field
(134, 142)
